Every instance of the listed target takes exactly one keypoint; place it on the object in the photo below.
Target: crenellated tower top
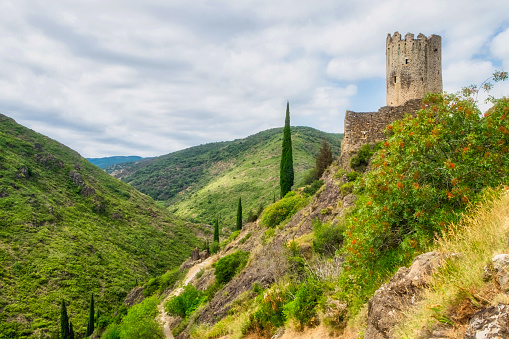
(414, 67)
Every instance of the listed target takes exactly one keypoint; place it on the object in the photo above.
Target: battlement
(414, 67)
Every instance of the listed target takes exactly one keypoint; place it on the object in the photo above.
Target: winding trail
(164, 318)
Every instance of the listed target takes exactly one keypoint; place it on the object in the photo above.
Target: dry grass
(458, 290)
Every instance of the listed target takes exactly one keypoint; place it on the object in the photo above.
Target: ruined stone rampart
(414, 67)
(367, 127)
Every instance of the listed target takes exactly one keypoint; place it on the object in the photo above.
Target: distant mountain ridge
(109, 161)
(202, 182)
(68, 229)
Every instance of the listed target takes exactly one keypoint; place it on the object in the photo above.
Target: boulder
(195, 254)
(402, 291)
(501, 266)
(489, 323)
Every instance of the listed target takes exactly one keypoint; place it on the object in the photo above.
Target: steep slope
(68, 229)
(110, 161)
(202, 182)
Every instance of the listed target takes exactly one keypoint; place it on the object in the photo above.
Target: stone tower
(414, 67)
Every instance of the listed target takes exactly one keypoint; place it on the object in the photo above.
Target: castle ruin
(413, 68)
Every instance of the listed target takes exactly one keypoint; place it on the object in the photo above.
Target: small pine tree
(71, 331)
(216, 230)
(90, 326)
(239, 215)
(286, 174)
(64, 322)
(323, 159)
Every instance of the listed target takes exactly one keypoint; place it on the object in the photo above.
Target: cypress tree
(90, 326)
(239, 215)
(64, 322)
(286, 169)
(216, 230)
(324, 158)
(71, 331)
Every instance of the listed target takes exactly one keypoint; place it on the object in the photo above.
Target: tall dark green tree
(216, 230)
(239, 215)
(64, 322)
(323, 159)
(90, 326)
(286, 174)
(71, 331)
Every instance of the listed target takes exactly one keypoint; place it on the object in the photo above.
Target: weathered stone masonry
(414, 67)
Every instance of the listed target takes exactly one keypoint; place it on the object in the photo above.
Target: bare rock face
(489, 323)
(402, 291)
(76, 178)
(501, 266)
(135, 296)
(195, 254)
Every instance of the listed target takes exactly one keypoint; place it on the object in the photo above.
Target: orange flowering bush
(432, 166)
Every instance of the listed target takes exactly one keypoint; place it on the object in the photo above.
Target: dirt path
(163, 317)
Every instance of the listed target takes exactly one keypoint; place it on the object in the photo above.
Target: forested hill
(110, 161)
(202, 182)
(68, 229)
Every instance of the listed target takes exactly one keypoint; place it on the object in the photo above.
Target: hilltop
(202, 182)
(68, 229)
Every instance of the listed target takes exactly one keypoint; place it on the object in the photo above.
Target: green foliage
(140, 322)
(215, 247)
(269, 315)
(328, 238)
(185, 303)
(324, 159)
(216, 231)
(309, 177)
(229, 265)
(361, 160)
(232, 237)
(274, 214)
(90, 325)
(430, 169)
(302, 309)
(346, 188)
(56, 243)
(352, 176)
(286, 173)
(246, 237)
(311, 189)
(71, 330)
(64, 322)
(111, 332)
(239, 215)
(160, 283)
(191, 179)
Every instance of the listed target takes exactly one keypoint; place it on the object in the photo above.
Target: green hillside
(68, 229)
(109, 161)
(201, 182)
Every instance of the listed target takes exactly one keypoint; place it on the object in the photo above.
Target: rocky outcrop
(402, 291)
(501, 266)
(195, 254)
(135, 296)
(489, 323)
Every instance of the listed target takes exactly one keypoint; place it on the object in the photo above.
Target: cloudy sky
(148, 77)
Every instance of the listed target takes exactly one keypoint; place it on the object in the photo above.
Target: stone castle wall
(367, 127)
(414, 67)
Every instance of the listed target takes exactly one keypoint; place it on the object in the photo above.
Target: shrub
(352, 176)
(280, 210)
(360, 161)
(169, 278)
(246, 237)
(311, 189)
(309, 177)
(303, 308)
(229, 265)
(140, 321)
(185, 303)
(432, 167)
(214, 248)
(151, 286)
(346, 188)
(328, 238)
(269, 315)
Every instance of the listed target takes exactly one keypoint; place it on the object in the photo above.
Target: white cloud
(150, 77)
